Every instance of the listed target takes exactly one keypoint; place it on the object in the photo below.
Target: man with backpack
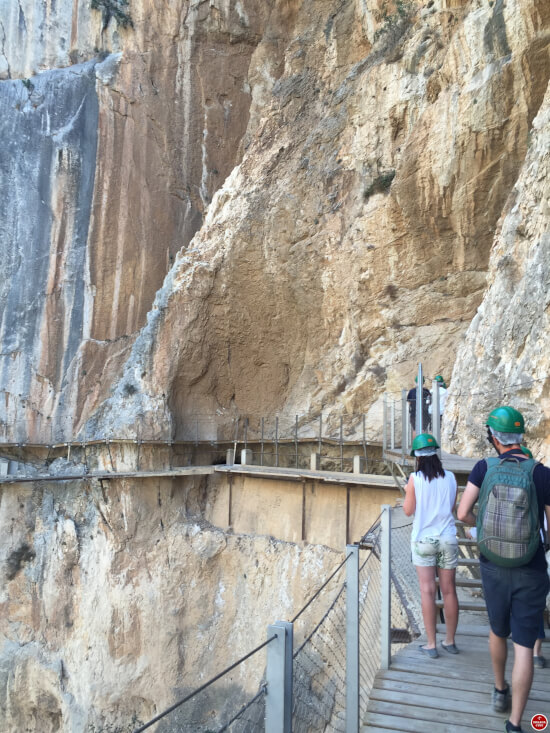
(513, 494)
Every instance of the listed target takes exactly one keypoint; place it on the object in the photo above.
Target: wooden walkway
(452, 462)
(302, 474)
(450, 694)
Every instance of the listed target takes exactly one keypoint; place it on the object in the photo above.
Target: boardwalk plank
(539, 690)
(436, 694)
(448, 694)
(427, 716)
(384, 723)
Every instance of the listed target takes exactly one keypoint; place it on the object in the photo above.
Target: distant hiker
(442, 387)
(514, 494)
(431, 497)
(426, 417)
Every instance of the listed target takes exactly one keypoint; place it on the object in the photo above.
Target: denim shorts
(435, 551)
(515, 599)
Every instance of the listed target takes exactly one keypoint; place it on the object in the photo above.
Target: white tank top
(434, 502)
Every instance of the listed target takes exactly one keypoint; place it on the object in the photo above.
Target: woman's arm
(409, 505)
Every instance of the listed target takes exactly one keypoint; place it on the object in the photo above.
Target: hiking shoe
(432, 653)
(501, 700)
(451, 648)
(509, 728)
(539, 662)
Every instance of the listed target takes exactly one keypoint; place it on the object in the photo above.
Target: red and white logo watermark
(539, 722)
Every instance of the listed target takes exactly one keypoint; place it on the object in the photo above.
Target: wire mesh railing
(338, 445)
(319, 673)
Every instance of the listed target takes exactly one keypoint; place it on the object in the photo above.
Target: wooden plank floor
(106, 475)
(450, 694)
(452, 462)
(300, 474)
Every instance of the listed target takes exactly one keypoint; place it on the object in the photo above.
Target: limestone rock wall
(354, 238)
(159, 130)
(115, 602)
(362, 156)
(503, 358)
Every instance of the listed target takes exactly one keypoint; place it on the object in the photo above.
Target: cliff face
(354, 237)
(114, 603)
(242, 208)
(503, 358)
(109, 167)
(378, 145)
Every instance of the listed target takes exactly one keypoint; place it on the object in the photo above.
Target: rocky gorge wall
(118, 599)
(339, 168)
(226, 207)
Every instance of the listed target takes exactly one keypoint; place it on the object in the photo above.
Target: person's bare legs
(426, 580)
(450, 602)
(499, 652)
(522, 677)
(537, 649)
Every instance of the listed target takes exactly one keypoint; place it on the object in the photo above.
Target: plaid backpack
(508, 529)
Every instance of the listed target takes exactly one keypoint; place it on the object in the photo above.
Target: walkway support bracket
(352, 639)
(278, 701)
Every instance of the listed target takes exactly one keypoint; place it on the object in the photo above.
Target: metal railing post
(278, 701)
(384, 425)
(404, 425)
(419, 400)
(385, 588)
(436, 424)
(352, 639)
(392, 425)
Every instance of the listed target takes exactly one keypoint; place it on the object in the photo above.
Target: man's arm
(469, 498)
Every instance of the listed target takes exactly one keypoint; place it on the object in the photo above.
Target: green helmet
(506, 420)
(416, 379)
(439, 378)
(424, 440)
(525, 449)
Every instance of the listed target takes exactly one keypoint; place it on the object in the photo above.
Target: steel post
(419, 400)
(384, 425)
(392, 425)
(436, 423)
(385, 588)
(278, 701)
(352, 639)
(404, 424)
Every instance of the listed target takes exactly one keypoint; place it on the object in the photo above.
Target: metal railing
(400, 419)
(338, 444)
(371, 609)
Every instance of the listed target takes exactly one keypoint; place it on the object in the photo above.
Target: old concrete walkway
(450, 694)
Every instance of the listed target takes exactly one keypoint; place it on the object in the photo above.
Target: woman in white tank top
(431, 497)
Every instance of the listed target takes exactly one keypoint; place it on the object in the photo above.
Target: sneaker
(539, 662)
(501, 700)
(509, 728)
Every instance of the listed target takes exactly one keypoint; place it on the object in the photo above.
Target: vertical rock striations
(354, 238)
(503, 358)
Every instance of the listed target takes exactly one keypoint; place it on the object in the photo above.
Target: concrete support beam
(315, 462)
(246, 457)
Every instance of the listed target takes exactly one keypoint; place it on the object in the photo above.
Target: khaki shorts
(435, 551)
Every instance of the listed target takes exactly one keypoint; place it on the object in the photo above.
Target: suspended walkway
(450, 694)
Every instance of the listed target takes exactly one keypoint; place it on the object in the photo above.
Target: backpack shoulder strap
(528, 466)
